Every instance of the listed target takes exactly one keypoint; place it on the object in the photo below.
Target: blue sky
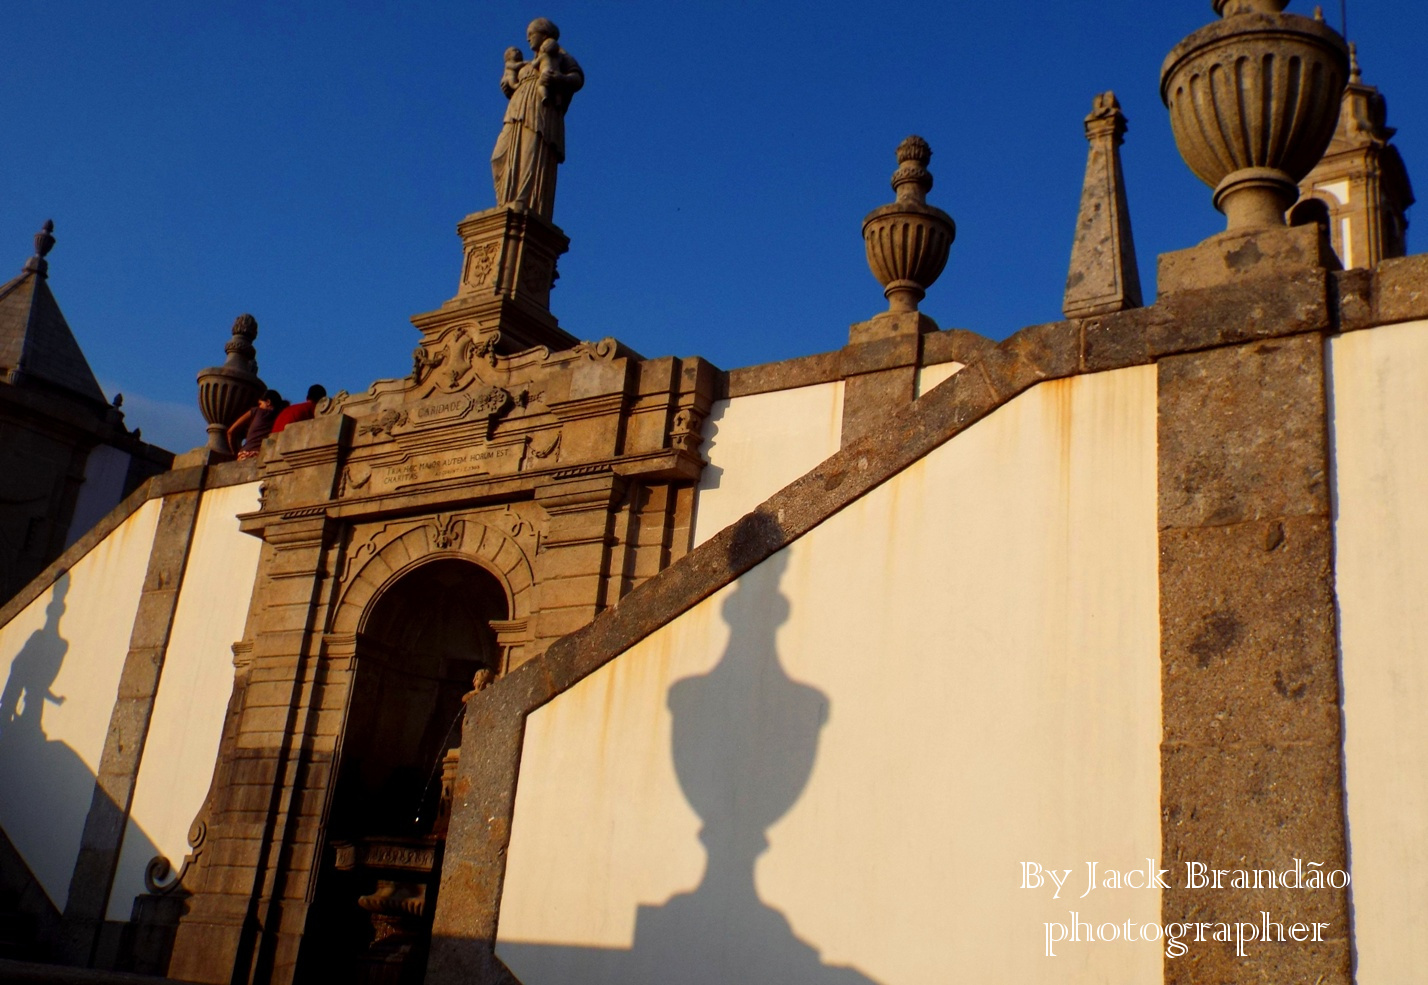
(308, 162)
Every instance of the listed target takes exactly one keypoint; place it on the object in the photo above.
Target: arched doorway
(423, 639)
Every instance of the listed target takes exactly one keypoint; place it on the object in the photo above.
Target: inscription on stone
(439, 410)
(400, 857)
(480, 460)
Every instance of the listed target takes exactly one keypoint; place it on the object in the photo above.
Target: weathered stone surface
(1117, 340)
(869, 398)
(1214, 962)
(954, 345)
(951, 345)
(1245, 256)
(1041, 352)
(1401, 290)
(1293, 303)
(888, 325)
(882, 353)
(1255, 806)
(1251, 762)
(1247, 633)
(1103, 276)
(1242, 433)
(1352, 299)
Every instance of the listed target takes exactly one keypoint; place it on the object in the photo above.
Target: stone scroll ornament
(532, 140)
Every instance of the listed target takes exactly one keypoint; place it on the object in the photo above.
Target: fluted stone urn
(1253, 101)
(225, 392)
(908, 240)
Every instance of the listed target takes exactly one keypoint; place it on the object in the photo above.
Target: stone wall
(84, 650)
(956, 673)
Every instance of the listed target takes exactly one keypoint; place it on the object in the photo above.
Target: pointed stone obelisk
(1103, 275)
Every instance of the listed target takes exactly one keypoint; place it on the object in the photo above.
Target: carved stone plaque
(439, 410)
(481, 459)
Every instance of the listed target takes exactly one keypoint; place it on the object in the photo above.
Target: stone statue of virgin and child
(532, 140)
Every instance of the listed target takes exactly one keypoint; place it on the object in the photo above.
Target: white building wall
(61, 658)
(1380, 443)
(194, 688)
(929, 377)
(758, 444)
(964, 664)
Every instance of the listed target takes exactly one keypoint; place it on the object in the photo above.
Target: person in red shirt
(302, 411)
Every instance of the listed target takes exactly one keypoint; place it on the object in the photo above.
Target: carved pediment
(454, 360)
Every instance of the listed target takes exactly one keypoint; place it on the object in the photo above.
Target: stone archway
(429, 628)
(379, 561)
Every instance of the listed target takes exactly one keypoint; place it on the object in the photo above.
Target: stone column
(1251, 762)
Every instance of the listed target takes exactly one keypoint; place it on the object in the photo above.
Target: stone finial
(1253, 100)
(1103, 277)
(225, 392)
(912, 181)
(908, 240)
(241, 354)
(1228, 8)
(1356, 74)
(44, 242)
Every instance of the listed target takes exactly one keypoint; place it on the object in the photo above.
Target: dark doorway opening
(423, 641)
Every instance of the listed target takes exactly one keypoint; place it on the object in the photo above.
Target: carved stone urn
(225, 392)
(907, 241)
(1253, 101)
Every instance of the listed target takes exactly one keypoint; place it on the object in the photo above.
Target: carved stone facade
(542, 483)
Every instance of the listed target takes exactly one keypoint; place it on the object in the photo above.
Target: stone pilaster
(880, 365)
(463, 937)
(573, 567)
(108, 816)
(1251, 766)
(248, 914)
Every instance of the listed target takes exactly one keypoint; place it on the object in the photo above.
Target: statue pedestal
(507, 271)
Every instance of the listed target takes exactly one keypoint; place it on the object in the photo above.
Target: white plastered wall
(72, 649)
(929, 377)
(758, 444)
(983, 632)
(194, 688)
(1380, 444)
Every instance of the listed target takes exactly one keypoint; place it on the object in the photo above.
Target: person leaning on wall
(255, 425)
(302, 411)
